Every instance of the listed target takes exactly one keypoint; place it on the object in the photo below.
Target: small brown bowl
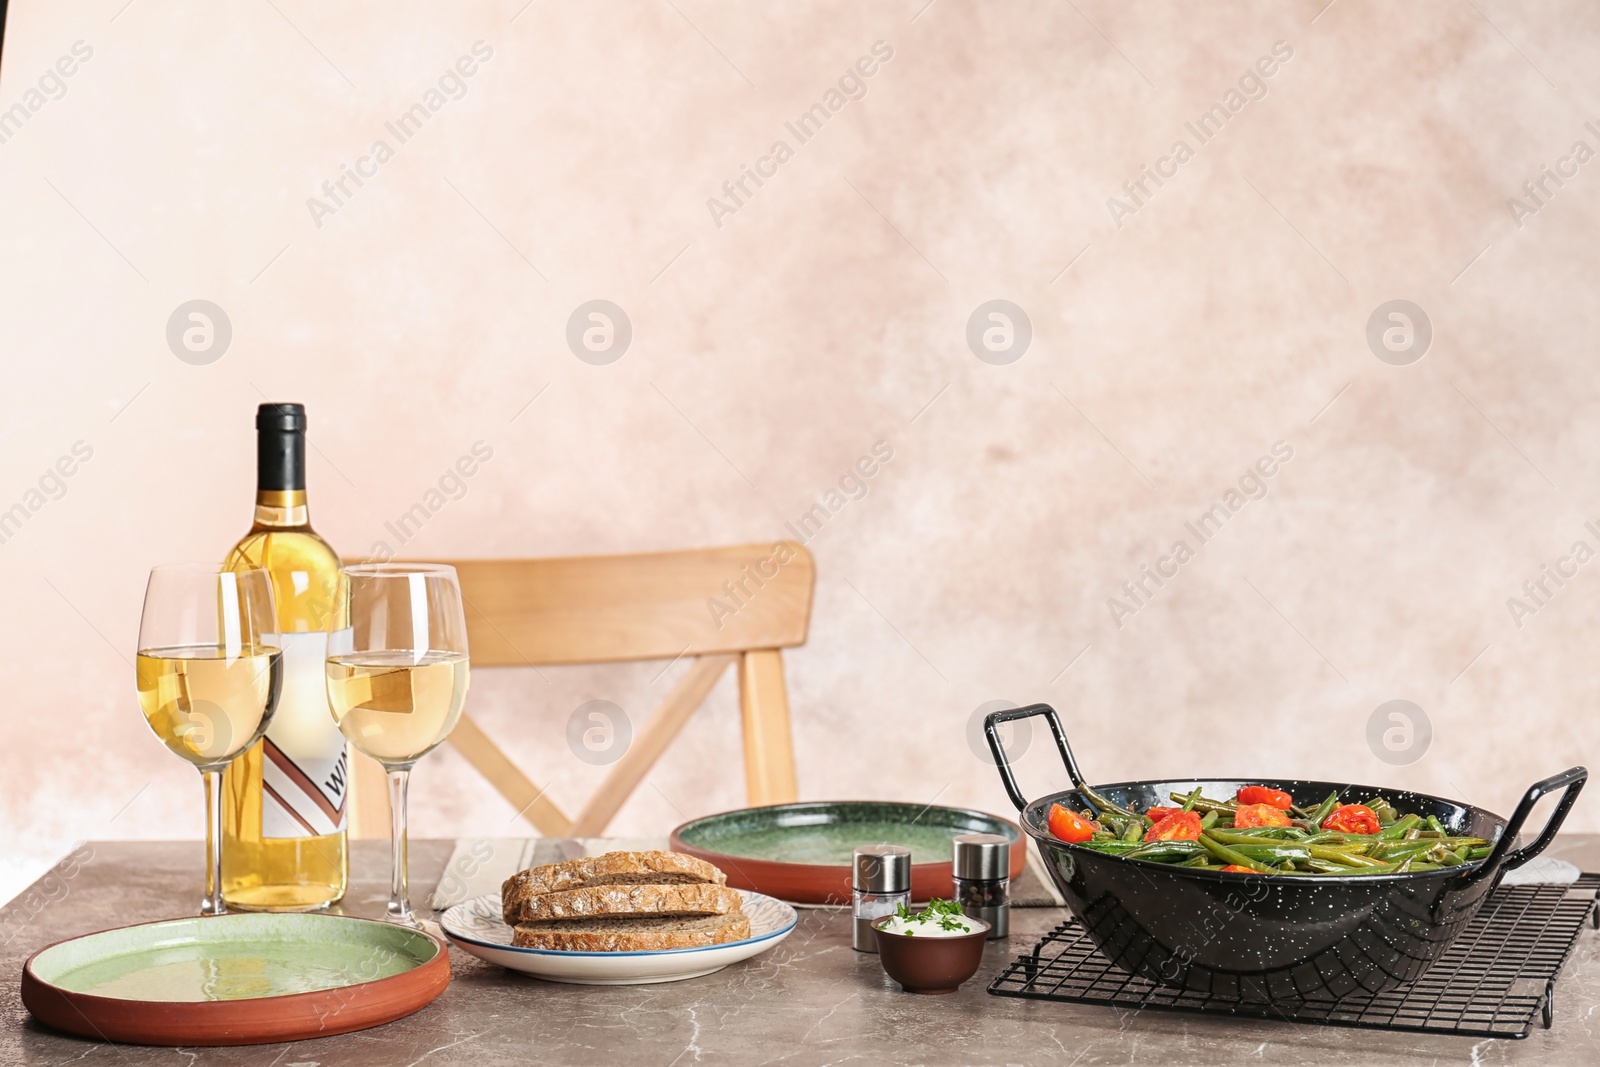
(931, 964)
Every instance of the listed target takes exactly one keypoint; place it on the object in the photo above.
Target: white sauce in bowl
(930, 927)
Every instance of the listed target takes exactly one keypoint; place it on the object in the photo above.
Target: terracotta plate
(801, 852)
(234, 979)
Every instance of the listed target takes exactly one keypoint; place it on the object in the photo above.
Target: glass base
(279, 899)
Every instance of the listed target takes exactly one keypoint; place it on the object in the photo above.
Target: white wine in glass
(397, 676)
(394, 706)
(201, 701)
(209, 673)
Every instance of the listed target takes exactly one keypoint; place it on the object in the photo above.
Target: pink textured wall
(779, 331)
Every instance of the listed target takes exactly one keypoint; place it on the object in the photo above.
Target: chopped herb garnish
(946, 913)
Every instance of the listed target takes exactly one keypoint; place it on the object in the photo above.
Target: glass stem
(213, 903)
(399, 888)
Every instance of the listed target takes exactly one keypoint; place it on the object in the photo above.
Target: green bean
(1293, 833)
(1208, 820)
(1382, 809)
(1113, 848)
(1277, 854)
(1133, 832)
(1436, 826)
(1229, 856)
(1400, 849)
(1111, 845)
(1339, 855)
(1201, 804)
(1101, 802)
(1323, 810)
(1189, 801)
(1164, 851)
(1221, 807)
(1252, 835)
(1399, 827)
(1392, 849)
(1446, 839)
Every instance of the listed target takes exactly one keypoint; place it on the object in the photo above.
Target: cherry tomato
(1260, 794)
(1183, 826)
(1236, 869)
(1157, 814)
(1353, 819)
(1069, 826)
(1259, 815)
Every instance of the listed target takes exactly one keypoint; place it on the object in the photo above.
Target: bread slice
(614, 868)
(632, 935)
(619, 901)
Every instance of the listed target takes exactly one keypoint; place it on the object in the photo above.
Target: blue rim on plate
(779, 918)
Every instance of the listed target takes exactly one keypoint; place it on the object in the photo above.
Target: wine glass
(397, 677)
(209, 674)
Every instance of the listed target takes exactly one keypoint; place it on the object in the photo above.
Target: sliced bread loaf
(620, 901)
(632, 934)
(614, 868)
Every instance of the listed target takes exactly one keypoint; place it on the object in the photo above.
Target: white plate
(477, 927)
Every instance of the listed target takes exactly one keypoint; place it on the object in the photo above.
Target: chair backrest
(605, 609)
(715, 607)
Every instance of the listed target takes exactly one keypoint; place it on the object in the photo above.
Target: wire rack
(1492, 982)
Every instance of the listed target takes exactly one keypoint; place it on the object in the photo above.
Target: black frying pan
(1264, 936)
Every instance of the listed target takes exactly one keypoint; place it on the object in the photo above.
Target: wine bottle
(283, 844)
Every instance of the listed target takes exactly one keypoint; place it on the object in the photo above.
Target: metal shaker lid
(882, 869)
(982, 857)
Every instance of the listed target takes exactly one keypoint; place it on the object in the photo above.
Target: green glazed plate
(802, 852)
(234, 979)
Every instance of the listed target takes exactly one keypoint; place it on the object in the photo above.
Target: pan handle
(1571, 783)
(990, 728)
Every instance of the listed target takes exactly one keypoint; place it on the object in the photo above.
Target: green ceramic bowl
(802, 852)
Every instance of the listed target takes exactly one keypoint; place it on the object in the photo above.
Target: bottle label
(304, 765)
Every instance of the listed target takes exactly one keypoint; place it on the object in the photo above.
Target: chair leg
(648, 744)
(529, 800)
(768, 745)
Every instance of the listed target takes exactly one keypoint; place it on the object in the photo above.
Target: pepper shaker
(881, 882)
(982, 877)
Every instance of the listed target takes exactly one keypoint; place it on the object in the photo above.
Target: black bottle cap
(282, 417)
(280, 447)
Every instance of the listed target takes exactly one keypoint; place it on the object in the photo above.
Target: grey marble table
(811, 1000)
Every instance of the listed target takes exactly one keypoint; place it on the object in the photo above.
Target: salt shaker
(982, 878)
(881, 882)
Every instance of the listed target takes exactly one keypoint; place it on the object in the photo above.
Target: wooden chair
(713, 606)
